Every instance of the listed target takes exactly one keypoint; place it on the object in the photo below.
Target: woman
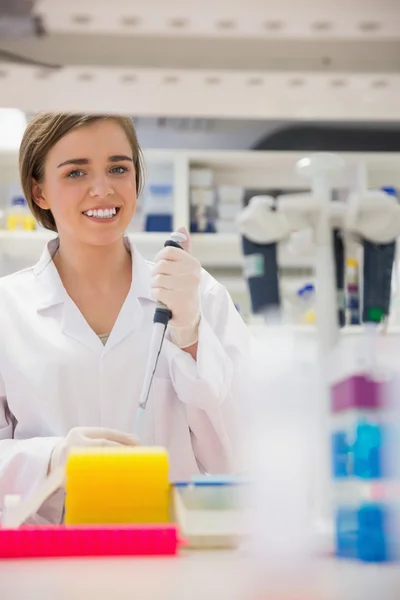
(75, 328)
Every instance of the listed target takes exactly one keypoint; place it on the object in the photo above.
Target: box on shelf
(229, 212)
(201, 178)
(230, 194)
(158, 207)
(202, 197)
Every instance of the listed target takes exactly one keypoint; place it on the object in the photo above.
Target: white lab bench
(199, 575)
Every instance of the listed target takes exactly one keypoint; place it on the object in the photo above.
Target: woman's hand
(88, 436)
(176, 283)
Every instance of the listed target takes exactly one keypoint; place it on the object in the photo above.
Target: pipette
(161, 319)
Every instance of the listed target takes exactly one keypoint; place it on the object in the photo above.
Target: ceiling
(249, 54)
(260, 60)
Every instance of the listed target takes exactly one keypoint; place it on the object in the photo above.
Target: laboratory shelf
(250, 170)
(213, 250)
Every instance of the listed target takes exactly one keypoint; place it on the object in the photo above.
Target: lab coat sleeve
(23, 463)
(211, 387)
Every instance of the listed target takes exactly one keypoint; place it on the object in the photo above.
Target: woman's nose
(101, 188)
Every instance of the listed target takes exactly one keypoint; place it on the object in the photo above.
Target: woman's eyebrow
(74, 161)
(86, 161)
(119, 158)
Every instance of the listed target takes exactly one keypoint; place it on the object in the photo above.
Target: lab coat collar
(141, 273)
(51, 292)
(48, 285)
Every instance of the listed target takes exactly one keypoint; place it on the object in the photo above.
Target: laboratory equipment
(60, 541)
(352, 291)
(338, 252)
(211, 511)
(262, 227)
(379, 260)
(118, 501)
(370, 215)
(117, 485)
(363, 497)
(161, 319)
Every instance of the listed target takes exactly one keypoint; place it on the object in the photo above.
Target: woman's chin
(103, 238)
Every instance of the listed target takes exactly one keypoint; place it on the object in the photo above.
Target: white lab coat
(56, 374)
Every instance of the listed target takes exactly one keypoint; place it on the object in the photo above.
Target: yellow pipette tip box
(117, 485)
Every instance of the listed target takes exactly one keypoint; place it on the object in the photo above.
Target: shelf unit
(250, 169)
(219, 253)
(215, 251)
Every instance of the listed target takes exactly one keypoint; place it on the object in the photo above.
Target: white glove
(176, 283)
(88, 436)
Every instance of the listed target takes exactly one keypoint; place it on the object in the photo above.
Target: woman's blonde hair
(43, 132)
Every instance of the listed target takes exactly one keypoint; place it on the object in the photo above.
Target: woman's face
(89, 183)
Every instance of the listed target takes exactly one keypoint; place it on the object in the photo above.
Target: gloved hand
(88, 436)
(176, 283)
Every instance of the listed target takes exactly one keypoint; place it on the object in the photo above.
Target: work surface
(191, 576)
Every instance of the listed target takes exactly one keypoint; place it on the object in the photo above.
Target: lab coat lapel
(75, 326)
(50, 293)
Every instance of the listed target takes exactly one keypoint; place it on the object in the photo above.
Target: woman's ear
(37, 195)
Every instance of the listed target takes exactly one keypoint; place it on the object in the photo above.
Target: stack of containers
(362, 490)
(19, 217)
(159, 198)
(202, 201)
(230, 204)
(117, 486)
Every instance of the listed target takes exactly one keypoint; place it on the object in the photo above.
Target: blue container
(346, 532)
(340, 455)
(367, 451)
(373, 534)
(158, 222)
(210, 227)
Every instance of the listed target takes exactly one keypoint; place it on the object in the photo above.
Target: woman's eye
(119, 170)
(75, 174)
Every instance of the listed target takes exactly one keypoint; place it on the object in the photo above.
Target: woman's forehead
(95, 141)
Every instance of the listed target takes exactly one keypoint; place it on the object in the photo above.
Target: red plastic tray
(60, 541)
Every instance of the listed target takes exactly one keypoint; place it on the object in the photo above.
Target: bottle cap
(352, 262)
(374, 315)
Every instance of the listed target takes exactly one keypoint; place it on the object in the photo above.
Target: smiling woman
(76, 329)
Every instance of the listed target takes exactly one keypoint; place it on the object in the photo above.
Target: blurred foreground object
(365, 446)
(280, 425)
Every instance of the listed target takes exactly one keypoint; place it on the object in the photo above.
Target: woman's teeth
(101, 213)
